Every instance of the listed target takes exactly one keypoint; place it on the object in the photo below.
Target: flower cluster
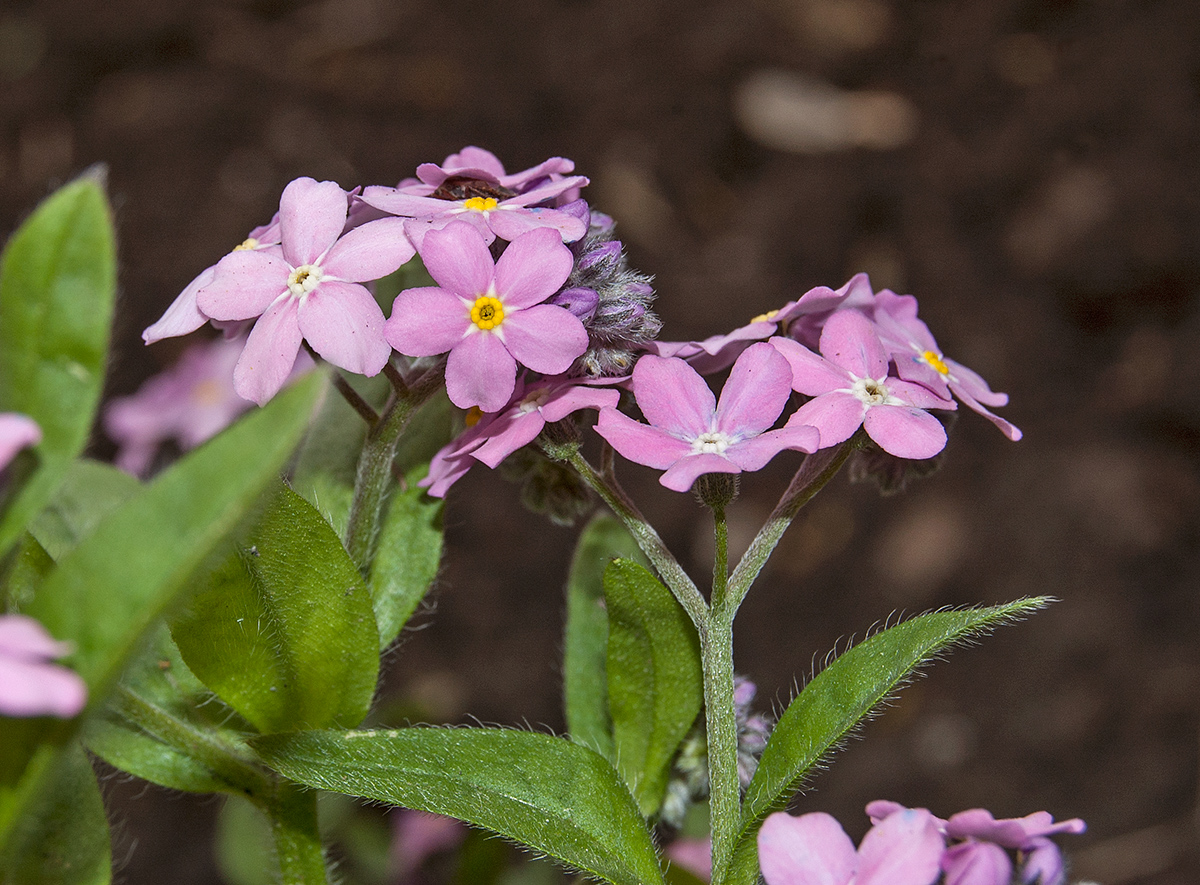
(909, 846)
(536, 315)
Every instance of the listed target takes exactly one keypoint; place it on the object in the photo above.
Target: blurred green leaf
(284, 631)
(655, 680)
(244, 848)
(839, 697)
(57, 287)
(89, 492)
(541, 791)
(585, 680)
(406, 559)
(53, 830)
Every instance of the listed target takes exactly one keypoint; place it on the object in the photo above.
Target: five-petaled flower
(691, 434)
(309, 291)
(490, 316)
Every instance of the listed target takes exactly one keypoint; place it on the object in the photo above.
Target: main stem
(720, 715)
(293, 814)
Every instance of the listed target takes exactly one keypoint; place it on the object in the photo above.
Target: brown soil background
(1044, 207)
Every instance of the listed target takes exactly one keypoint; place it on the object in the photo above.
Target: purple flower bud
(578, 208)
(606, 252)
(580, 300)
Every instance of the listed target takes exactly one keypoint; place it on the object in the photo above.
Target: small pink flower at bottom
(850, 387)
(694, 855)
(691, 434)
(490, 316)
(418, 835)
(29, 684)
(16, 432)
(813, 849)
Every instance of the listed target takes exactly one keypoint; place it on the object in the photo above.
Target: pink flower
(813, 849)
(309, 290)
(498, 434)
(417, 835)
(691, 434)
(473, 163)
(16, 432)
(851, 389)
(694, 855)
(29, 684)
(489, 315)
(918, 358)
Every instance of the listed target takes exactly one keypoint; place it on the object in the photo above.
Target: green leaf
(585, 679)
(57, 287)
(89, 492)
(406, 559)
(655, 680)
(161, 678)
(544, 792)
(54, 823)
(244, 848)
(284, 632)
(839, 697)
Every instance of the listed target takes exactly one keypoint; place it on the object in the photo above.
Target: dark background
(1028, 169)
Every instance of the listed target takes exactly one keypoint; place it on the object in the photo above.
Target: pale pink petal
(389, 199)
(971, 382)
(694, 855)
(571, 399)
(836, 415)
(426, 321)
(1010, 430)
(903, 431)
(532, 268)
(976, 863)
(344, 324)
(458, 259)
(547, 190)
(244, 284)
(270, 352)
(811, 374)
(480, 372)
(918, 395)
(183, 316)
(39, 689)
(418, 228)
(521, 428)
(905, 849)
(756, 391)
(680, 475)
(370, 252)
(812, 849)
(311, 217)
(754, 453)
(672, 396)
(509, 222)
(553, 166)
(850, 341)
(23, 638)
(16, 432)
(545, 338)
(639, 442)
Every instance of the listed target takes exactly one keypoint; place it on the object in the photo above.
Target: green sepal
(283, 631)
(838, 698)
(57, 288)
(655, 679)
(547, 793)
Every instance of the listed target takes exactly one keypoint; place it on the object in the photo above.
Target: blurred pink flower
(417, 835)
(16, 432)
(29, 684)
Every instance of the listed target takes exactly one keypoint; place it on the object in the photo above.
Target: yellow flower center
(764, 317)
(246, 244)
(481, 204)
(935, 360)
(473, 415)
(487, 312)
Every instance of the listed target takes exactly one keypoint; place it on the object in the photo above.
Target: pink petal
(270, 352)
(532, 268)
(458, 259)
(418, 228)
(23, 638)
(836, 415)
(16, 432)
(545, 338)
(183, 316)
(904, 431)
(673, 397)
(976, 863)
(905, 849)
(683, 473)
(973, 384)
(547, 191)
(571, 399)
(370, 251)
(509, 222)
(918, 395)
(812, 849)
(244, 284)
(38, 689)
(850, 341)
(756, 391)
(405, 205)
(519, 430)
(640, 443)
(812, 374)
(480, 372)
(426, 321)
(754, 453)
(344, 324)
(311, 217)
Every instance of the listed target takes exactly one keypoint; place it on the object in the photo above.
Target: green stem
(230, 762)
(817, 470)
(293, 813)
(373, 480)
(724, 800)
(664, 562)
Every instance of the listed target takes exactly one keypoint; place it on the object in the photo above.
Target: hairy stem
(293, 814)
